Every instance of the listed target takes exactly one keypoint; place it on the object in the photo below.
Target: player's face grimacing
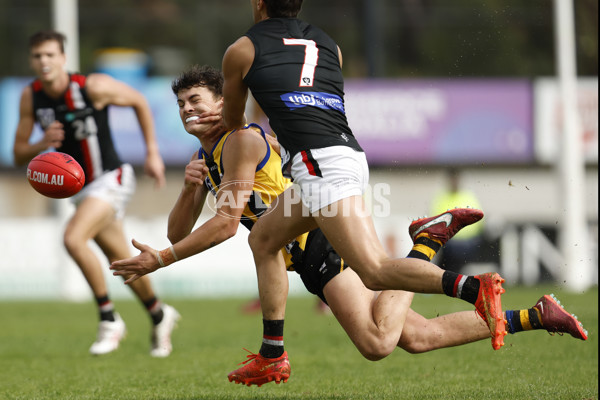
(47, 60)
(192, 103)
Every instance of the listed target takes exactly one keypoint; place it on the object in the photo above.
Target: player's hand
(195, 173)
(213, 117)
(135, 267)
(54, 135)
(154, 167)
(217, 127)
(274, 143)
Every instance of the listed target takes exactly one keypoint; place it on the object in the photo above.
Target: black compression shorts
(320, 263)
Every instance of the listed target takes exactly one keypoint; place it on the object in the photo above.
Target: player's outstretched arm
(245, 149)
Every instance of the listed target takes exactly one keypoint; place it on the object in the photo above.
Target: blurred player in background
(294, 71)
(247, 162)
(72, 110)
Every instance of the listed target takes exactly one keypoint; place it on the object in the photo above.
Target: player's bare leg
(351, 232)
(95, 219)
(111, 239)
(421, 334)
(164, 317)
(373, 321)
(272, 232)
(269, 235)
(90, 217)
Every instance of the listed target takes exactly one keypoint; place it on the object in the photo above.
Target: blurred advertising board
(398, 122)
(460, 121)
(548, 118)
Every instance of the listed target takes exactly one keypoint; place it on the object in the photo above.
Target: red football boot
(445, 225)
(555, 319)
(489, 306)
(261, 370)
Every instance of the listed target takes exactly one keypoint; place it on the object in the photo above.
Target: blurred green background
(382, 38)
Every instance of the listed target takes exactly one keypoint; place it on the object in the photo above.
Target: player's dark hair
(43, 36)
(197, 75)
(283, 8)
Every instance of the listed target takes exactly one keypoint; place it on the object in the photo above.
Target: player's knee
(377, 346)
(413, 345)
(413, 348)
(260, 244)
(257, 244)
(71, 241)
(376, 350)
(253, 241)
(373, 356)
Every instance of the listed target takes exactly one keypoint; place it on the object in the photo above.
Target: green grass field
(43, 355)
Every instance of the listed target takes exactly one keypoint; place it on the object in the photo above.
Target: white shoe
(110, 334)
(161, 333)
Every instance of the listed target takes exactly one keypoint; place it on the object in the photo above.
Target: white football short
(329, 174)
(116, 187)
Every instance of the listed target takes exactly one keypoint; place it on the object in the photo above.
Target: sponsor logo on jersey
(71, 116)
(321, 100)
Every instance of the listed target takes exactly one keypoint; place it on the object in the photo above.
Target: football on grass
(55, 174)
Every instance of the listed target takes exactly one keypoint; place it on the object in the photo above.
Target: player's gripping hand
(135, 267)
(274, 143)
(54, 135)
(211, 115)
(212, 118)
(195, 173)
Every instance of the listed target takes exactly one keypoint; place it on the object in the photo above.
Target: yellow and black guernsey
(268, 184)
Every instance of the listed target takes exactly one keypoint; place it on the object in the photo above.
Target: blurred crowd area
(379, 38)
